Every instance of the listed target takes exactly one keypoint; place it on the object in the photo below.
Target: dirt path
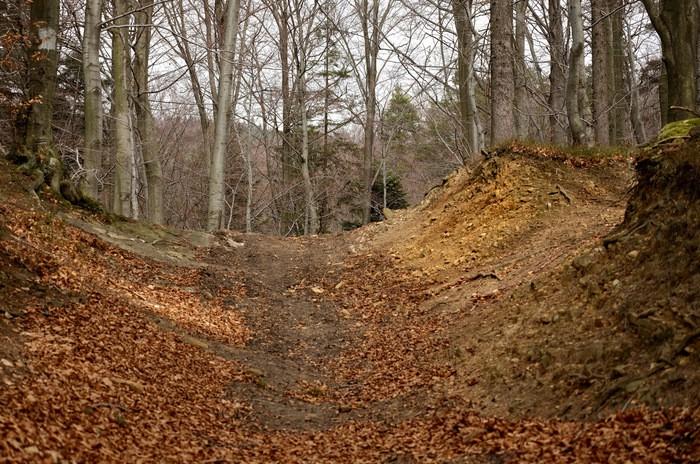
(128, 343)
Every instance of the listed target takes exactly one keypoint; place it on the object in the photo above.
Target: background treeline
(300, 117)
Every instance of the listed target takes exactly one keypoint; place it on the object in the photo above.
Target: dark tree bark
(36, 151)
(557, 74)
(600, 47)
(676, 23)
(461, 10)
(502, 78)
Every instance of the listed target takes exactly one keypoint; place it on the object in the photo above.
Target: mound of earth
(555, 311)
(439, 336)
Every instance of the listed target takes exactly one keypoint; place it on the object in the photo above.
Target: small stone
(6, 363)
(582, 263)
(633, 254)
(616, 283)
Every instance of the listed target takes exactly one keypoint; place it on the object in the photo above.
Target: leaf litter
(97, 376)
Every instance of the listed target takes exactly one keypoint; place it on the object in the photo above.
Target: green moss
(677, 129)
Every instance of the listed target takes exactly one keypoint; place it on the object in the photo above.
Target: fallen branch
(560, 191)
(683, 108)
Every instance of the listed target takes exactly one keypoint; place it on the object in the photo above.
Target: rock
(6, 363)
(633, 254)
(582, 263)
(616, 283)
(388, 213)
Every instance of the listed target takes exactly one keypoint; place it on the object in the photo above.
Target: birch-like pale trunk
(225, 93)
(576, 124)
(121, 200)
(521, 71)
(93, 97)
(144, 115)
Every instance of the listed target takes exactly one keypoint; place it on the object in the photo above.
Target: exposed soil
(464, 330)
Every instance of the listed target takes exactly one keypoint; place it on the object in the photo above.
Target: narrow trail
(128, 343)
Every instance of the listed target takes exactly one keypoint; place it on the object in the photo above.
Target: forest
(397, 231)
(300, 117)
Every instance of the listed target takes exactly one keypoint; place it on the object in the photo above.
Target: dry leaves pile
(101, 378)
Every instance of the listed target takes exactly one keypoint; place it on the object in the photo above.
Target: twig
(685, 342)
(564, 194)
(683, 108)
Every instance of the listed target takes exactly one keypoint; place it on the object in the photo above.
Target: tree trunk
(36, 150)
(144, 116)
(311, 223)
(676, 22)
(216, 171)
(502, 79)
(619, 95)
(576, 124)
(521, 71)
(93, 97)
(470, 145)
(121, 201)
(371, 36)
(557, 74)
(600, 46)
(635, 116)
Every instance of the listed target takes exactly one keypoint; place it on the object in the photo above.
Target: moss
(677, 129)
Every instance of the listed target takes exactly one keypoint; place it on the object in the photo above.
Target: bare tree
(123, 141)
(93, 96)
(557, 73)
(462, 11)
(144, 116)
(676, 22)
(225, 94)
(502, 78)
(521, 71)
(600, 48)
(573, 102)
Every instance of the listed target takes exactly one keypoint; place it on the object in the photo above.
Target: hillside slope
(445, 334)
